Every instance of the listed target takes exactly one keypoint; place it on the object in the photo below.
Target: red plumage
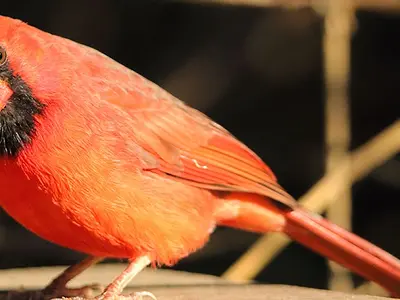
(118, 167)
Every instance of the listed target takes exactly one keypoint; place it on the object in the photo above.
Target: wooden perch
(165, 285)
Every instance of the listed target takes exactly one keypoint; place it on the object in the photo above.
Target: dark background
(259, 73)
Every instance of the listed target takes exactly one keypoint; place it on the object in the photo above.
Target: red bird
(96, 158)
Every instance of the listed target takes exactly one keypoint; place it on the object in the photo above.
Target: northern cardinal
(96, 158)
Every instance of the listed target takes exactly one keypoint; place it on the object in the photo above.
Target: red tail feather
(345, 248)
(255, 213)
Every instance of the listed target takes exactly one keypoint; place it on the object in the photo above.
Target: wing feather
(187, 144)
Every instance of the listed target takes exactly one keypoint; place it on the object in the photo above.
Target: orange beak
(5, 94)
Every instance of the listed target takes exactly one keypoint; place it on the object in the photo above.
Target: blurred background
(272, 76)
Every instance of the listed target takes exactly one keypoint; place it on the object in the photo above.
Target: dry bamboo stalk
(318, 198)
(337, 46)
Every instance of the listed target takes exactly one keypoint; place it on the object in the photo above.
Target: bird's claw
(85, 292)
(144, 295)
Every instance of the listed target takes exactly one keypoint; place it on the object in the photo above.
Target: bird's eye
(3, 56)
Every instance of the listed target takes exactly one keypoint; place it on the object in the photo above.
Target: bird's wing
(188, 145)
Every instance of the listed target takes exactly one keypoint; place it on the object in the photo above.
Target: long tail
(345, 248)
(254, 213)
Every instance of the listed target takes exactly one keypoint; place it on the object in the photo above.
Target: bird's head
(18, 105)
(36, 70)
(42, 74)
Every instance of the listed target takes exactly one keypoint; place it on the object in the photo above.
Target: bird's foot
(85, 292)
(114, 289)
(143, 295)
(135, 296)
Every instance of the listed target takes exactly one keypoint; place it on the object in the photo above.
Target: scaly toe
(143, 295)
(135, 296)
